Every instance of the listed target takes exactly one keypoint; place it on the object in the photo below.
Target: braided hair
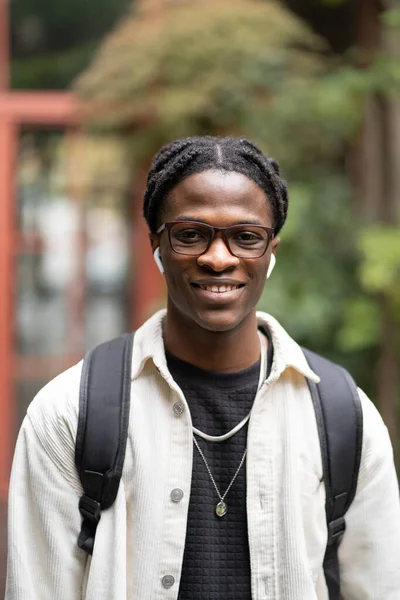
(182, 158)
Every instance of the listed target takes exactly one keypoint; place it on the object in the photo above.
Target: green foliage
(52, 42)
(55, 70)
(307, 291)
(380, 264)
(379, 276)
(62, 24)
(251, 68)
(361, 324)
(199, 66)
(391, 18)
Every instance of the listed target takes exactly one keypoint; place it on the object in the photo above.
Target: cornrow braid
(182, 158)
(272, 172)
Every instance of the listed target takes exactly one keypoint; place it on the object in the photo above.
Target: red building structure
(48, 111)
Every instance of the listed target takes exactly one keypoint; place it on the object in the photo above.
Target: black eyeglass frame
(168, 226)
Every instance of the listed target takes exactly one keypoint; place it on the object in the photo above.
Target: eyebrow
(237, 222)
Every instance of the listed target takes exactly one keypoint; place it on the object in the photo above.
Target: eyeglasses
(194, 238)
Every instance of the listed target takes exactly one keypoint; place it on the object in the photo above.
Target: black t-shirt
(216, 563)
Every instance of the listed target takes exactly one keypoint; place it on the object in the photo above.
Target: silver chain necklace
(221, 508)
(262, 377)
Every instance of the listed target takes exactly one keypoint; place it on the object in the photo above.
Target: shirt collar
(149, 345)
(287, 353)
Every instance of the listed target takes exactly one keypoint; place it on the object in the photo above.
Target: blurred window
(73, 260)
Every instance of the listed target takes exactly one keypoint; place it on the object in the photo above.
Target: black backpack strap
(104, 403)
(340, 426)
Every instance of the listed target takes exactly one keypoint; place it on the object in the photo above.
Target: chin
(219, 323)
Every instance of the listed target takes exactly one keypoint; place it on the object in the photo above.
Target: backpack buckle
(90, 509)
(336, 529)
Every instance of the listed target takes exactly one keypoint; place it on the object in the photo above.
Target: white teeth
(219, 289)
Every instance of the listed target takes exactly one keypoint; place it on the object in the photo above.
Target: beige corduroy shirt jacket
(141, 539)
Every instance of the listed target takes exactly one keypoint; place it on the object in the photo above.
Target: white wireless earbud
(272, 263)
(157, 259)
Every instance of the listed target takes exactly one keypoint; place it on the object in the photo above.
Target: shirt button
(178, 409)
(176, 495)
(168, 581)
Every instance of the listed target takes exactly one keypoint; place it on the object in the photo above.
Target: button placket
(175, 521)
(176, 495)
(168, 581)
(178, 408)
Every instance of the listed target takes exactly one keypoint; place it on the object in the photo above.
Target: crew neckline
(203, 377)
(206, 378)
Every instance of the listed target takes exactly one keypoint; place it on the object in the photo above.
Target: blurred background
(88, 93)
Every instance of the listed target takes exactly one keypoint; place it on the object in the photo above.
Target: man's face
(219, 199)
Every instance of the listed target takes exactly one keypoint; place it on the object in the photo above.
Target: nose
(218, 258)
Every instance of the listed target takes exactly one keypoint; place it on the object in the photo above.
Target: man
(222, 494)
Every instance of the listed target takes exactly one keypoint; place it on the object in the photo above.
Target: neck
(222, 351)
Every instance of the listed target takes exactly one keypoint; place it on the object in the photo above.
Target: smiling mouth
(218, 289)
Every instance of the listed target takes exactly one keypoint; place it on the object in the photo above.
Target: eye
(189, 236)
(247, 238)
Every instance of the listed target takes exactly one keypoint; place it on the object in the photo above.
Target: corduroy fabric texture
(140, 540)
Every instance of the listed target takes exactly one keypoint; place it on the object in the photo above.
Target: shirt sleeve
(44, 562)
(369, 554)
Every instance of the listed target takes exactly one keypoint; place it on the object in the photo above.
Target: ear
(154, 241)
(274, 245)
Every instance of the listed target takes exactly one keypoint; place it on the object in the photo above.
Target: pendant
(221, 509)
